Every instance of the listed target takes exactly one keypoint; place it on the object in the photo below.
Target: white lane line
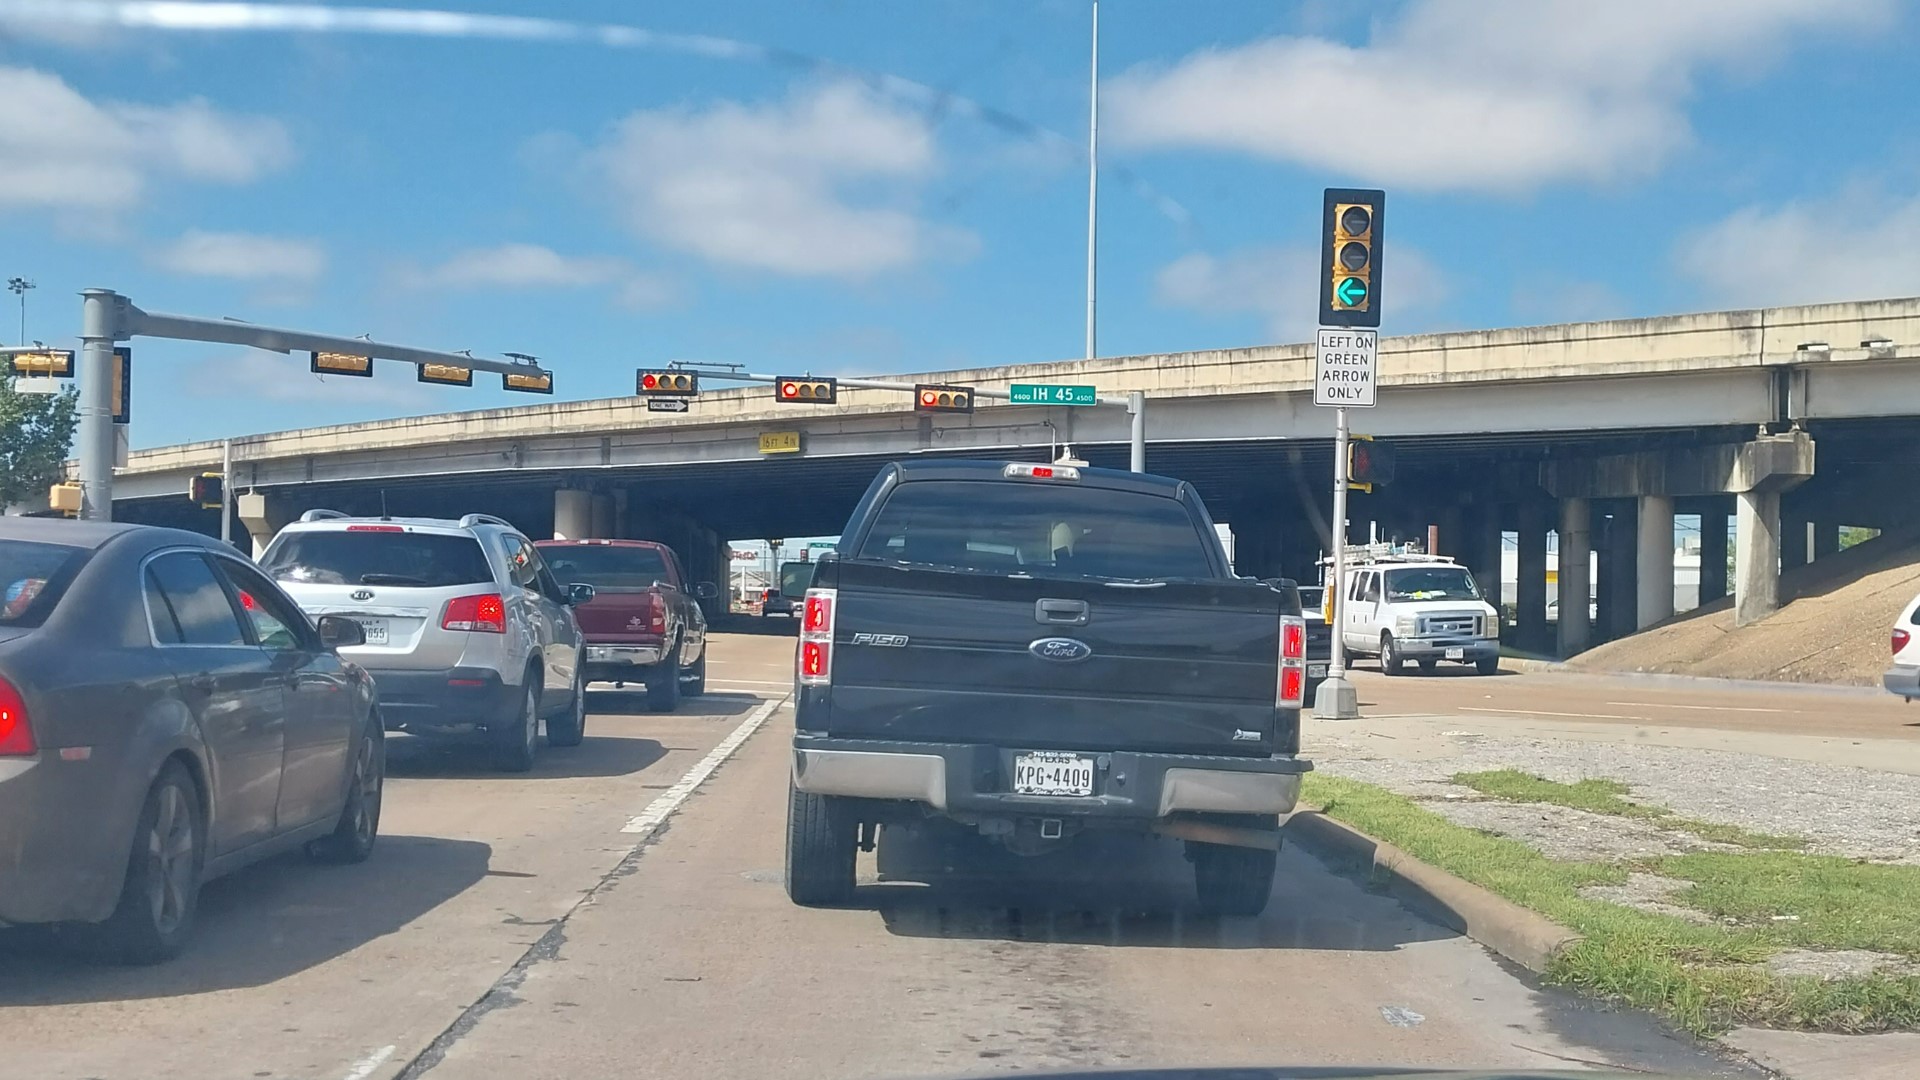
(365, 1066)
(662, 808)
(1701, 708)
(1542, 712)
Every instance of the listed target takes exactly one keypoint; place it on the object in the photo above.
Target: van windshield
(1431, 583)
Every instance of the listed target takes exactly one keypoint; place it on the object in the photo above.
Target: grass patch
(1703, 978)
(1609, 797)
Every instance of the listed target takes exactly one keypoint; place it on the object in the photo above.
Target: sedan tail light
(16, 734)
(485, 613)
(815, 660)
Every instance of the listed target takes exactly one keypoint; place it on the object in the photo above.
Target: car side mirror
(578, 593)
(706, 590)
(340, 632)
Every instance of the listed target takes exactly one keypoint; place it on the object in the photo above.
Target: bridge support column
(1655, 560)
(1756, 556)
(1617, 594)
(261, 517)
(572, 514)
(600, 517)
(1713, 555)
(1530, 590)
(1576, 544)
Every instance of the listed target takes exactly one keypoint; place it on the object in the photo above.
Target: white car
(1903, 677)
(468, 634)
(1423, 608)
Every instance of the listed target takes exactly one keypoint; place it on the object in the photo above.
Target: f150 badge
(884, 641)
(1063, 650)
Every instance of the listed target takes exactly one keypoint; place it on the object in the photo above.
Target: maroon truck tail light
(815, 659)
(656, 614)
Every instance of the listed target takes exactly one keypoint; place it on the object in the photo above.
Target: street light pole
(18, 287)
(1093, 182)
(1336, 698)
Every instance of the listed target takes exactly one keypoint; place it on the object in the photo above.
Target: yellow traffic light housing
(806, 390)
(930, 398)
(1350, 257)
(668, 383)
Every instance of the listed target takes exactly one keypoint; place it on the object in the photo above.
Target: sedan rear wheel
(162, 888)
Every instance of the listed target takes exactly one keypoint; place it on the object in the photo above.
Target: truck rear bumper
(961, 778)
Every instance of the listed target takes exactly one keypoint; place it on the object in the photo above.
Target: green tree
(36, 431)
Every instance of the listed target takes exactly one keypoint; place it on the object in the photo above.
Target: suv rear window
(1013, 527)
(606, 566)
(32, 577)
(338, 557)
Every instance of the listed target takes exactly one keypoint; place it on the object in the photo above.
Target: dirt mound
(1834, 629)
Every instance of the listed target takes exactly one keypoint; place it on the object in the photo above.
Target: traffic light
(1350, 257)
(942, 399)
(121, 395)
(1368, 462)
(44, 363)
(666, 383)
(527, 382)
(806, 390)
(206, 490)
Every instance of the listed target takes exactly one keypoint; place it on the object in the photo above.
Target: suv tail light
(815, 662)
(16, 735)
(1290, 689)
(486, 613)
(1900, 639)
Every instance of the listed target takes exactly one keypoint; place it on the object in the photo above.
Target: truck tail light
(1900, 639)
(16, 735)
(657, 614)
(1290, 688)
(815, 660)
(485, 613)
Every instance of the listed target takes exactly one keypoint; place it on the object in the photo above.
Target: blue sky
(607, 208)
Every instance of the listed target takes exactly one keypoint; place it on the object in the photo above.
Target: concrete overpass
(1596, 430)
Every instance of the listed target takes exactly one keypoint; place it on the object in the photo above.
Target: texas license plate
(375, 629)
(1456, 654)
(1051, 773)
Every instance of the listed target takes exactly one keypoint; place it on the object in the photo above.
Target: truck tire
(694, 679)
(1391, 662)
(663, 682)
(822, 840)
(1232, 881)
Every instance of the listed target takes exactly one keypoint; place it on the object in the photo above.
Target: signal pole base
(1336, 699)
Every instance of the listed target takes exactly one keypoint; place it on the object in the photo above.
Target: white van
(1426, 609)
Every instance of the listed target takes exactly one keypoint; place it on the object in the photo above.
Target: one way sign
(1346, 364)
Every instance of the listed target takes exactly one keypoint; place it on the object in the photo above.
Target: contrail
(221, 16)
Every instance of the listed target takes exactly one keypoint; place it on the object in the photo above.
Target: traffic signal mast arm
(730, 374)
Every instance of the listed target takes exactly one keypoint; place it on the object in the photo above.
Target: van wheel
(515, 749)
(1232, 880)
(663, 683)
(1391, 662)
(162, 888)
(822, 840)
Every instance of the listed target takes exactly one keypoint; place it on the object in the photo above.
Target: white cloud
(244, 257)
(1472, 94)
(530, 266)
(254, 376)
(818, 185)
(65, 151)
(1859, 244)
(1279, 284)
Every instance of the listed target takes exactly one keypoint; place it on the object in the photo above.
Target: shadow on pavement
(260, 925)
(597, 755)
(712, 704)
(1115, 890)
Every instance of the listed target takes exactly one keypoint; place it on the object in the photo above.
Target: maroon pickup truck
(644, 623)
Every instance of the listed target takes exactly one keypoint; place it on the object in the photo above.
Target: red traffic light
(649, 381)
(806, 390)
(928, 398)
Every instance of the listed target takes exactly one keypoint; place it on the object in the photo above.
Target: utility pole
(18, 286)
(1093, 183)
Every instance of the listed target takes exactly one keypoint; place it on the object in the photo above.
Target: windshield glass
(420, 560)
(30, 578)
(1033, 528)
(794, 578)
(606, 566)
(1431, 583)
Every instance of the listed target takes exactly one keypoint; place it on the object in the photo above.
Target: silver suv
(468, 633)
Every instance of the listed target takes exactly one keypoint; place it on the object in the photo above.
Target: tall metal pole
(226, 491)
(98, 323)
(1336, 698)
(1093, 184)
(1137, 405)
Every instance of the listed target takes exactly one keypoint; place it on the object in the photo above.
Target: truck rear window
(419, 560)
(606, 566)
(1013, 527)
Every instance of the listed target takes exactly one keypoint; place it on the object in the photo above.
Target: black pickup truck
(1034, 651)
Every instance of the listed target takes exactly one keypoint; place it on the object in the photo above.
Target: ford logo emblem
(1064, 650)
(363, 594)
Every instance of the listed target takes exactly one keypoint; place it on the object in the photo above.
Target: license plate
(1316, 671)
(1048, 773)
(1456, 654)
(375, 629)
(605, 656)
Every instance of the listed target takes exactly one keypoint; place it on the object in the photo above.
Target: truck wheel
(513, 748)
(1232, 880)
(1391, 662)
(822, 838)
(693, 681)
(1487, 665)
(663, 682)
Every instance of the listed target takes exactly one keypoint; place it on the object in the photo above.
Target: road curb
(1522, 936)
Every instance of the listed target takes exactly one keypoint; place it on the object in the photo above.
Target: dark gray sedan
(167, 715)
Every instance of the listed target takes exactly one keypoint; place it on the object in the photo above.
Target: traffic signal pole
(1336, 698)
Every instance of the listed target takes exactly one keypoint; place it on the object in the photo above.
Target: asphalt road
(561, 924)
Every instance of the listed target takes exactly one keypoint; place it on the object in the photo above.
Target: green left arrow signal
(1351, 292)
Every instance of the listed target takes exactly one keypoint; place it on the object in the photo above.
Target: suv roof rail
(321, 515)
(471, 520)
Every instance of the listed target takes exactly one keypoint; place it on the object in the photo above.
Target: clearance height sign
(1346, 366)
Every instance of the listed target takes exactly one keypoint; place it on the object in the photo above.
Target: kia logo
(363, 594)
(1063, 650)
